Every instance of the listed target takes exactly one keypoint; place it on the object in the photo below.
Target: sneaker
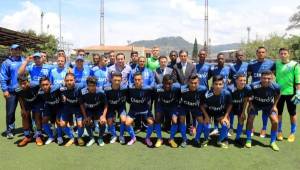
(131, 142)
(280, 136)
(122, 140)
(60, 141)
(173, 143)
(80, 142)
(9, 135)
(39, 141)
(148, 142)
(223, 144)
(248, 144)
(239, 142)
(262, 133)
(158, 143)
(91, 142)
(197, 143)
(69, 143)
(24, 141)
(214, 132)
(291, 137)
(113, 139)
(100, 142)
(274, 146)
(49, 140)
(204, 143)
(183, 144)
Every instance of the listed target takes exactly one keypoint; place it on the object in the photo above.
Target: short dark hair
(134, 52)
(116, 74)
(162, 56)
(183, 51)
(284, 49)
(91, 80)
(218, 78)
(44, 78)
(95, 54)
(193, 77)
(120, 54)
(261, 47)
(266, 72)
(173, 52)
(60, 50)
(167, 77)
(240, 75)
(69, 74)
(23, 77)
(112, 51)
(137, 74)
(219, 54)
(80, 50)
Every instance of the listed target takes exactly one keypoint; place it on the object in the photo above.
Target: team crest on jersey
(63, 88)
(257, 86)
(84, 91)
(208, 94)
(18, 89)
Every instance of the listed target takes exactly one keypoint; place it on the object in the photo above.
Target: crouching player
(139, 98)
(240, 93)
(191, 95)
(69, 94)
(217, 103)
(167, 102)
(28, 98)
(93, 106)
(265, 95)
(116, 95)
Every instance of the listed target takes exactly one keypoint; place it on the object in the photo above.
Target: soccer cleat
(280, 136)
(248, 144)
(223, 144)
(80, 142)
(60, 141)
(238, 142)
(131, 142)
(291, 137)
(69, 143)
(148, 142)
(173, 143)
(24, 141)
(183, 144)
(122, 140)
(49, 140)
(158, 143)
(100, 142)
(91, 142)
(274, 146)
(39, 141)
(113, 139)
(214, 132)
(197, 143)
(9, 135)
(262, 133)
(204, 143)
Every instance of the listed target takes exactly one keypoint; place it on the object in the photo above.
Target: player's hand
(102, 119)
(87, 120)
(274, 109)
(225, 120)
(243, 116)
(296, 98)
(6, 94)
(29, 58)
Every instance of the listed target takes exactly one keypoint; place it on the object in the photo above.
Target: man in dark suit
(162, 70)
(184, 69)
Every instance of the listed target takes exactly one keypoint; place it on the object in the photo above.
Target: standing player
(58, 74)
(167, 103)
(191, 95)
(255, 68)
(152, 62)
(81, 71)
(93, 106)
(116, 94)
(265, 96)
(139, 98)
(203, 69)
(217, 103)
(148, 76)
(100, 71)
(288, 78)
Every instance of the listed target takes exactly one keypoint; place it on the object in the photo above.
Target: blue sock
(122, 129)
(194, 122)
(158, 130)
(59, 131)
(293, 128)
(80, 131)
(265, 121)
(273, 135)
(68, 132)
(26, 133)
(112, 130)
(199, 131)
(149, 131)
(239, 131)
(131, 132)
(216, 125)
(174, 128)
(279, 126)
(231, 116)
(206, 131)
(183, 131)
(48, 130)
(248, 134)
(89, 131)
(224, 132)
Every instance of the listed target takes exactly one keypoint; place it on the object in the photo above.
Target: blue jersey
(81, 75)
(263, 97)
(255, 68)
(203, 72)
(238, 68)
(140, 99)
(37, 72)
(9, 73)
(116, 98)
(216, 105)
(92, 101)
(223, 71)
(57, 76)
(148, 76)
(238, 97)
(101, 74)
(191, 99)
(168, 99)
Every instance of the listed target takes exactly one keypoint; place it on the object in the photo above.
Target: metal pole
(60, 39)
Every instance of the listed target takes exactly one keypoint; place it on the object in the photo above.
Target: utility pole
(101, 22)
(60, 39)
(206, 36)
(42, 22)
(248, 30)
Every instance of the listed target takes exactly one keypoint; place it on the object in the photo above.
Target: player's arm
(22, 68)
(103, 117)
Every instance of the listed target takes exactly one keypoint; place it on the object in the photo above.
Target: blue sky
(149, 19)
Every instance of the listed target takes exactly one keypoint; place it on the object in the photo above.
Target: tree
(295, 20)
(195, 50)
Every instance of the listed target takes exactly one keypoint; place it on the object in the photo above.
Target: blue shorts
(265, 110)
(111, 113)
(53, 112)
(145, 114)
(170, 111)
(217, 115)
(68, 117)
(183, 111)
(34, 107)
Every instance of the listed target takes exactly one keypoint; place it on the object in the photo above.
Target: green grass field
(138, 156)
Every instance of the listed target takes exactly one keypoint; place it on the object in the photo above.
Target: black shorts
(290, 105)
